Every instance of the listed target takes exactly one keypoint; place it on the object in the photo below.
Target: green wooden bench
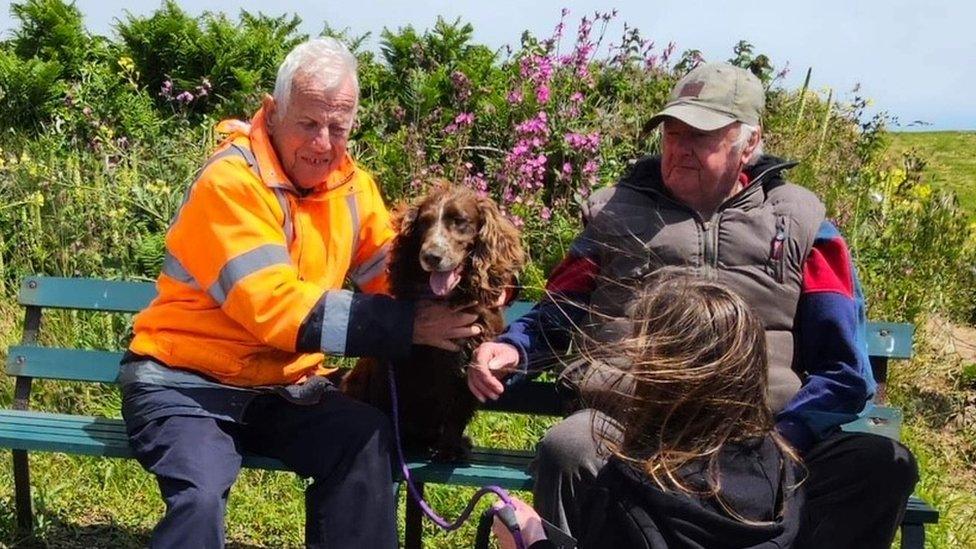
(23, 430)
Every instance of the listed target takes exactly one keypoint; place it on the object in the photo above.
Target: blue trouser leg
(195, 460)
(344, 446)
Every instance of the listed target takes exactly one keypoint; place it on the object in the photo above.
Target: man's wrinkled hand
(489, 365)
(439, 325)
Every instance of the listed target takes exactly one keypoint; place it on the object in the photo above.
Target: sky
(914, 59)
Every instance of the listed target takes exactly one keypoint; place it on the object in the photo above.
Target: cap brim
(693, 115)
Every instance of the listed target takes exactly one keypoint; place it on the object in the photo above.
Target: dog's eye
(461, 224)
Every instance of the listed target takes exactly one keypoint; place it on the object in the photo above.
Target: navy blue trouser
(341, 444)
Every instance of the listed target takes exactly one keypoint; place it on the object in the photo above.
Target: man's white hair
(327, 60)
(745, 134)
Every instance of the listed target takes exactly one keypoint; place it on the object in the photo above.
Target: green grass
(950, 158)
(941, 431)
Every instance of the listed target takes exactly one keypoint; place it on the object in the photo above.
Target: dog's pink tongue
(442, 283)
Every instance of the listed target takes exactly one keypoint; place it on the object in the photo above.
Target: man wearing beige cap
(712, 204)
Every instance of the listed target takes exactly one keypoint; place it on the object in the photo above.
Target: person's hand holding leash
(530, 525)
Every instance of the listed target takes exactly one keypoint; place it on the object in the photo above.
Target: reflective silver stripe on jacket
(288, 225)
(174, 269)
(151, 372)
(245, 264)
(371, 268)
(335, 321)
(236, 268)
(354, 216)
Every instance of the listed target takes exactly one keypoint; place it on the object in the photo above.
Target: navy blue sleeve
(357, 324)
(546, 332)
(830, 334)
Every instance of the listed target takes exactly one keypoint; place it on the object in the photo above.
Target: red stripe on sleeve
(573, 275)
(828, 268)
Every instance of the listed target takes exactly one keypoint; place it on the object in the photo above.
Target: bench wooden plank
(890, 339)
(884, 339)
(534, 397)
(86, 294)
(879, 420)
(66, 364)
(97, 436)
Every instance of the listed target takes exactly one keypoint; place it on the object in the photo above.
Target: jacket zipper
(777, 254)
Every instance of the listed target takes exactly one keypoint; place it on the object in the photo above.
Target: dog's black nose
(431, 259)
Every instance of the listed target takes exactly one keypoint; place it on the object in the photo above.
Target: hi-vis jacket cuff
(356, 324)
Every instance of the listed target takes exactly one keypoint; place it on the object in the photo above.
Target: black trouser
(341, 444)
(856, 491)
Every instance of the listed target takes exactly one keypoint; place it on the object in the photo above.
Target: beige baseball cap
(714, 95)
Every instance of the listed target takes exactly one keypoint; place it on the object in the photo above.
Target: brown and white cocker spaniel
(452, 245)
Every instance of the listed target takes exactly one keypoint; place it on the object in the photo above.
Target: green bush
(208, 64)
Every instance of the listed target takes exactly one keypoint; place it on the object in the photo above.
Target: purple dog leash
(506, 513)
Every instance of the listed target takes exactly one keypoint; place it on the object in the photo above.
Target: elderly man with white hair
(714, 205)
(229, 359)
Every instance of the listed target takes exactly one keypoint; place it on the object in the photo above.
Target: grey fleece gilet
(756, 243)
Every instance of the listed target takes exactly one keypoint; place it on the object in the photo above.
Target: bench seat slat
(35, 431)
(67, 364)
(94, 436)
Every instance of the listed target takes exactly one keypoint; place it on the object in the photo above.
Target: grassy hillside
(950, 161)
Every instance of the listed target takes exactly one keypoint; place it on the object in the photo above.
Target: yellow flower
(126, 63)
(897, 174)
(922, 191)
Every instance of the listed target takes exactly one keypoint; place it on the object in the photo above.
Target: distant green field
(951, 158)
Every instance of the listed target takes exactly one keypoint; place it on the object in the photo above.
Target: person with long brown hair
(696, 461)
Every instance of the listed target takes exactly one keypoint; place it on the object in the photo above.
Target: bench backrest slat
(86, 294)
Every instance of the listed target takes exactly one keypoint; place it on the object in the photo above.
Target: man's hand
(490, 364)
(438, 325)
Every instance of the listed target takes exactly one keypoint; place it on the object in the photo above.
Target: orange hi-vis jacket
(252, 267)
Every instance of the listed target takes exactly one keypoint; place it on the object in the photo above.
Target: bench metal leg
(414, 531)
(912, 536)
(22, 496)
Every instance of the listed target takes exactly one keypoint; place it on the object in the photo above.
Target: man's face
(701, 168)
(310, 138)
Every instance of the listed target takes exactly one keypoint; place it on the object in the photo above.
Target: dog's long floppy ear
(403, 251)
(498, 256)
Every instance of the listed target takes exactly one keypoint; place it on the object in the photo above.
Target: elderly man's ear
(270, 112)
(752, 144)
